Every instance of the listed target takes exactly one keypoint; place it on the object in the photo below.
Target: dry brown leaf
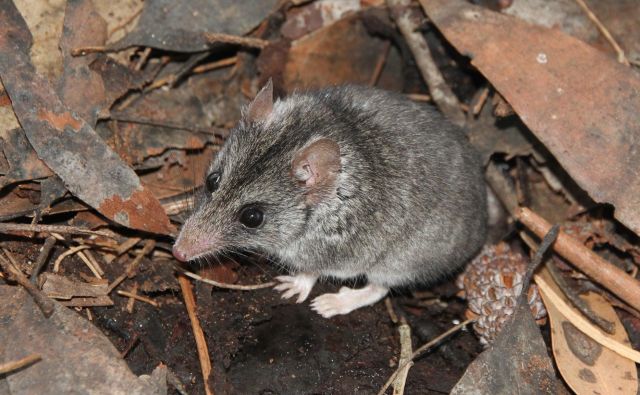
(587, 366)
(335, 54)
(580, 103)
(45, 19)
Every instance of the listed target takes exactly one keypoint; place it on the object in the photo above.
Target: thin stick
(250, 42)
(132, 301)
(418, 97)
(422, 349)
(45, 304)
(6, 227)
(143, 59)
(82, 51)
(122, 117)
(406, 350)
(605, 32)
(42, 258)
(133, 266)
(203, 68)
(480, 100)
(599, 270)
(382, 59)
(138, 297)
(94, 262)
(201, 342)
(402, 14)
(70, 251)
(123, 248)
(390, 310)
(20, 363)
(225, 285)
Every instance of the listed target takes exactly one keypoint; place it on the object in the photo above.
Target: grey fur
(410, 203)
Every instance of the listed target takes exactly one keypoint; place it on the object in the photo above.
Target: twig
(132, 301)
(382, 59)
(70, 251)
(123, 117)
(6, 227)
(133, 266)
(422, 349)
(406, 350)
(442, 94)
(225, 285)
(20, 363)
(82, 51)
(201, 342)
(250, 42)
(121, 249)
(93, 263)
(138, 297)
(42, 258)
(143, 59)
(418, 97)
(479, 101)
(203, 68)
(45, 304)
(390, 310)
(599, 270)
(605, 32)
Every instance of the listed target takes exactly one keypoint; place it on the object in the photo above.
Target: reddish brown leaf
(580, 103)
(66, 143)
(338, 53)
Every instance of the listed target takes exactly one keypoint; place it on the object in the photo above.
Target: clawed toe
(300, 285)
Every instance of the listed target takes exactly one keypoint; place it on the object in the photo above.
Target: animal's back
(411, 199)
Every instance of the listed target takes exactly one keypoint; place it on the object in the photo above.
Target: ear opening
(262, 105)
(316, 167)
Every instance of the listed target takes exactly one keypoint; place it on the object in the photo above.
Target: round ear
(316, 166)
(262, 105)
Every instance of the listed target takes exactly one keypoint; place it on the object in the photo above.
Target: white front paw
(328, 305)
(300, 284)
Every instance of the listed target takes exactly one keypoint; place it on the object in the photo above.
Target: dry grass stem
(201, 343)
(422, 349)
(138, 297)
(605, 32)
(225, 285)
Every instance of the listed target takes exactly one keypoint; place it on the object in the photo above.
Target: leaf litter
(96, 136)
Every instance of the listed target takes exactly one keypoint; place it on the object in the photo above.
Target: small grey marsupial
(343, 182)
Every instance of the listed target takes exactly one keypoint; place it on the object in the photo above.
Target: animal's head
(260, 187)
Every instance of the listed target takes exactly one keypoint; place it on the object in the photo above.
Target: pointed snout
(192, 243)
(179, 254)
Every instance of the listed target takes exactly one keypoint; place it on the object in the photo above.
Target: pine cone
(491, 284)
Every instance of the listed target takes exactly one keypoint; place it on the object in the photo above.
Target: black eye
(251, 217)
(212, 181)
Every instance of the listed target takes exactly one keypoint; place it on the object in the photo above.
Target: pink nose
(180, 255)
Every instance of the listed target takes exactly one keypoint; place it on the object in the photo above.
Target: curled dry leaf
(564, 90)
(587, 366)
(67, 144)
